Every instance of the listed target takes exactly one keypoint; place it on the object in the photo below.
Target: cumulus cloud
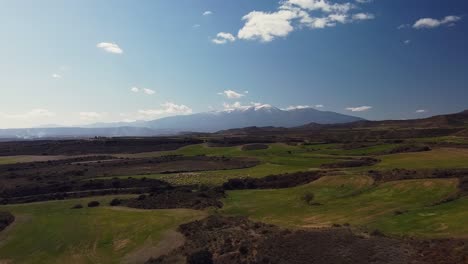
(207, 13)
(295, 14)
(167, 108)
(223, 38)
(433, 23)
(232, 94)
(267, 26)
(110, 47)
(135, 89)
(359, 108)
(320, 5)
(34, 113)
(56, 76)
(90, 116)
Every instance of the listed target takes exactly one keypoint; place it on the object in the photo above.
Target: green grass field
(343, 199)
(51, 232)
(441, 221)
(444, 158)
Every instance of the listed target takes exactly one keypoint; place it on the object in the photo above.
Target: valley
(407, 193)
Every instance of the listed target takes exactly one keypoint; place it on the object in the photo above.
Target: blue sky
(77, 62)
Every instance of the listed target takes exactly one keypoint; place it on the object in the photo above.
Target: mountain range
(260, 116)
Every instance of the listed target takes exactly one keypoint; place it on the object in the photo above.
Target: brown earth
(239, 240)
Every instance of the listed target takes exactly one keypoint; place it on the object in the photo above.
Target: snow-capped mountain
(260, 115)
(238, 117)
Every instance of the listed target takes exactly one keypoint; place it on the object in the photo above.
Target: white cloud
(144, 90)
(34, 113)
(207, 13)
(148, 91)
(110, 47)
(296, 14)
(359, 108)
(232, 94)
(267, 26)
(420, 111)
(296, 107)
(167, 108)
(240, 106)
(320, 5)
(402, 26)
(196, 26)
(363, 16)
(433, 23)
(223, 38)
(407, 42)
(56, 76)
(89, 116)
(364, 1)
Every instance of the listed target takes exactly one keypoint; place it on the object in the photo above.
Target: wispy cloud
(148, 91)
(91, 116)
(407, 42)
(240, 106)
(207, 13)
(34, 113)
(143, 90)
(167, 108)
(56, 76)
(433, 23)
(420, 111)
(359, 108)
(296, 107)
(110, 47)
(223, 38)
(233, 94)
(402, 26)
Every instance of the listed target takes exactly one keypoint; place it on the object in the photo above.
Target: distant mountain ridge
(260, 116)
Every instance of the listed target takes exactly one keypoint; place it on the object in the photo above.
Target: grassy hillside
(343, 199)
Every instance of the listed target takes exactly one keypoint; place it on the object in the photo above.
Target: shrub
(93, 204)
(308, 197)
(115, 202)
(77, 206)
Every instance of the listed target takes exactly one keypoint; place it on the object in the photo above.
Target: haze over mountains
(260, 116)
